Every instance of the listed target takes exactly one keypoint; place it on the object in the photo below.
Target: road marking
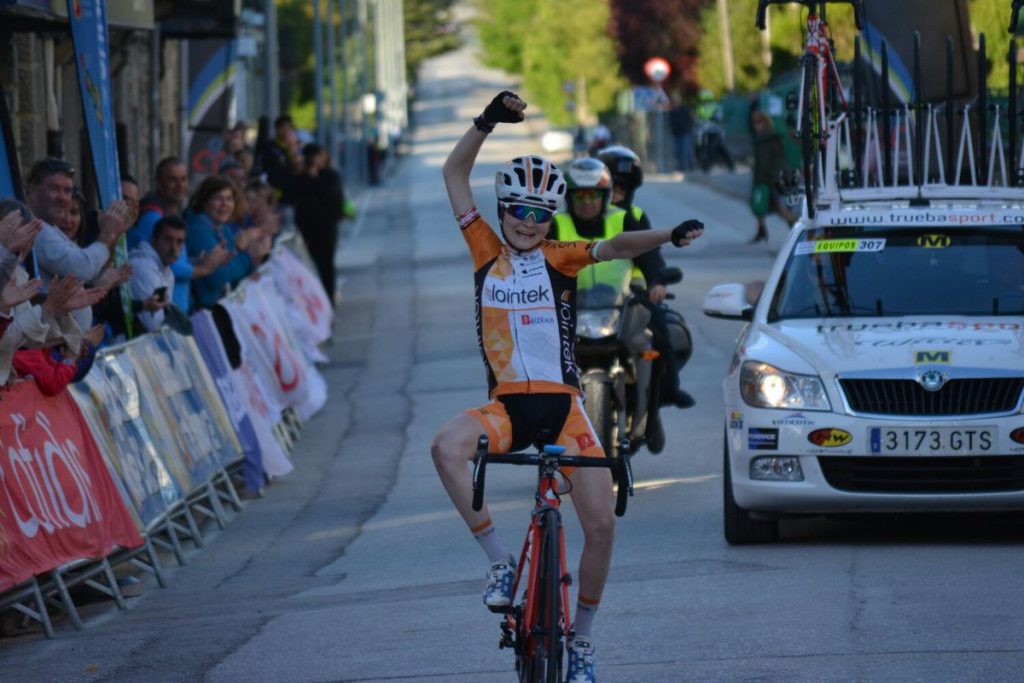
(652, 484)
(429, 517)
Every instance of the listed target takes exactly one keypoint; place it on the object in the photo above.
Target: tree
(992, 19)
(658, 28)
(552, 45)
(428, 32)
(502, 26)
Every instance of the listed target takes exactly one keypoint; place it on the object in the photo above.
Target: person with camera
(152, 278)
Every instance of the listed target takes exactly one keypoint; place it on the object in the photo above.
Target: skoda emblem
(932, 380)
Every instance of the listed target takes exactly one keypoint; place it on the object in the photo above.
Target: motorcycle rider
(589, 195)
(710, 136)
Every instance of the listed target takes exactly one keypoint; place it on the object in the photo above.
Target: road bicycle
(538, 625)
(821, 97)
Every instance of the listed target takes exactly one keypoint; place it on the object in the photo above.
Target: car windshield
(884, 272)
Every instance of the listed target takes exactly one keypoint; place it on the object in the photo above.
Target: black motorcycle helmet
(627, 173)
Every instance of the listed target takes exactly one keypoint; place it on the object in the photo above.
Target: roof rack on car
(921, 151)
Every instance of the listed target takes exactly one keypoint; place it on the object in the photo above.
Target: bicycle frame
(819, 46)
(814, 119)
(523, 627)
(547, 499)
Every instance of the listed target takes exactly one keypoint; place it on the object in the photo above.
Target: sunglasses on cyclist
(587, 195)
(521, 211)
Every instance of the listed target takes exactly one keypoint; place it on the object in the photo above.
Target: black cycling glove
(680, 232)
(496, 112)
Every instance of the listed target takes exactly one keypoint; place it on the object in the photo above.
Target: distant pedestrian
(680, 122)
(710, 134)
(319, 198)
(280, 159)
(769, 162)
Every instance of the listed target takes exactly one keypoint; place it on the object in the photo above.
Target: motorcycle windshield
(604, 284)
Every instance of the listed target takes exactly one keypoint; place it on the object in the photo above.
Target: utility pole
(332, 59)
(318, 68)
(723, 20)
(346, 95)
(272, 92)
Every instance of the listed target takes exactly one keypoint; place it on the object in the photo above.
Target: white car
(882, 365)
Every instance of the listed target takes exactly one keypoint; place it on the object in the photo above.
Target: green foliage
(750, 65)
(992, 19)
(570, 44)
(552, 44)
(428, 32)
(295, 38)
(502, 26)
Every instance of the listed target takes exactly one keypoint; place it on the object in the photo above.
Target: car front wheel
(740, 527)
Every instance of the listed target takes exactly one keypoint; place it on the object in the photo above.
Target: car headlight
(764, 386)
(597, 324)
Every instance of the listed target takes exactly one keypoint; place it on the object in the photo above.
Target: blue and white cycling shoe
(581, 661)
(500, 577)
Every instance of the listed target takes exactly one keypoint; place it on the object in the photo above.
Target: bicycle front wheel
(548, 629)
(810, 130)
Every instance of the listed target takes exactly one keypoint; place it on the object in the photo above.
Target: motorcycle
(615, 354)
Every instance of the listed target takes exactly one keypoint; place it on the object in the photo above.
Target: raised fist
(506, 107)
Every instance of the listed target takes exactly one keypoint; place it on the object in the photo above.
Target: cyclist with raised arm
(526, 320)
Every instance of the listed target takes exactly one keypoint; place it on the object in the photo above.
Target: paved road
(355, 567)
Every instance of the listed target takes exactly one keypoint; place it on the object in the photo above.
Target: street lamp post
(318, 67)
(723, 18)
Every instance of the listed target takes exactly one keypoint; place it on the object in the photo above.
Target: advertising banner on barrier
(58, 502)
(176, 412)
(205, 398)
(253, 393)
(309, 310)
(116, 404)
(209, 344)
(300, 382)
(279, 393)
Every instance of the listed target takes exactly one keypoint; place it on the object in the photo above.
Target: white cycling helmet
(530, 180)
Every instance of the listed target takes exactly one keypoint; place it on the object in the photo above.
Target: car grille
(956, 397)
(965, 474)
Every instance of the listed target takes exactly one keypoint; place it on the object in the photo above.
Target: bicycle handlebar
(621, 471)
(858, 9)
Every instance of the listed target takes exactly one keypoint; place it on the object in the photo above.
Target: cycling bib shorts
(514, 422)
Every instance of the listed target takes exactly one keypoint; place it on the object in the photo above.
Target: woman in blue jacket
(210, 211)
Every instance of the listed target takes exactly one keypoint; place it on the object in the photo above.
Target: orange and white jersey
(526, 311)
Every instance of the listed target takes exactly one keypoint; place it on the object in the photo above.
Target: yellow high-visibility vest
(614, 223)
